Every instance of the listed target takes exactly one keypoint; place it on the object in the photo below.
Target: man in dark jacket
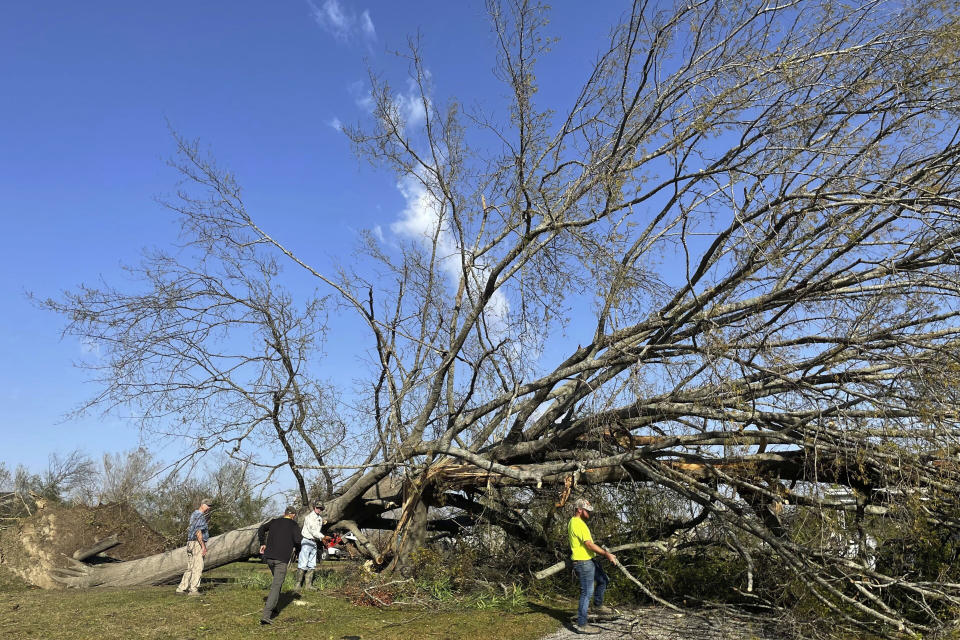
(278, 539)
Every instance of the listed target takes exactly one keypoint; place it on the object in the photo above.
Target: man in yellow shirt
(583, 551)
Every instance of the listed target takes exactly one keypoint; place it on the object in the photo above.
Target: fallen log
(99, 547)
(161, 568)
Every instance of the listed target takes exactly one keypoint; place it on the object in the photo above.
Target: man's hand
(593, 546)
(203, 551)
(263, 548)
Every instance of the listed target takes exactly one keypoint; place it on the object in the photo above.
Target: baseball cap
(583, 503)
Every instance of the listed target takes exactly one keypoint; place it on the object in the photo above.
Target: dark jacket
(282, 536)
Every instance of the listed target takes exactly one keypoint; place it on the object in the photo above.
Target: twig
(380, 586)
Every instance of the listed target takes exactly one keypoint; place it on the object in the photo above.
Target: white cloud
(330, 16)
(335, 124)
(424, 218)
(341, 22)
(365, 102)
(411, 105)
(419, 219)
(361, 95)
(366, 25)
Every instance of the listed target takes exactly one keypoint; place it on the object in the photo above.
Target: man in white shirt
(312, 539)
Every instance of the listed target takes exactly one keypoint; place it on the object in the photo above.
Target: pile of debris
(57, 537)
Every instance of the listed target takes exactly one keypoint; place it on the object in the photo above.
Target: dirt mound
(46, 540)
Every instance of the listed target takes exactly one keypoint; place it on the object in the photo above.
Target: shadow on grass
(286, 597)
(562, 615)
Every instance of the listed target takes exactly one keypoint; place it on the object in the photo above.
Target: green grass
(9, 582)
(230, 608)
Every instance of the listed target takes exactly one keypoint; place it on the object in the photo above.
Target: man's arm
(262, 536)
(593, 546)
(297, 538)
(203, 546)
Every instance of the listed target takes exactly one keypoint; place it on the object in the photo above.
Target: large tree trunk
(161, 568)
(412, 531)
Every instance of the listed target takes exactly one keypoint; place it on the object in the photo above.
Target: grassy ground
(230, 608)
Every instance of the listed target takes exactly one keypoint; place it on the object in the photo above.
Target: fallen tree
(161, 568)
(48, 547)
(750, 210)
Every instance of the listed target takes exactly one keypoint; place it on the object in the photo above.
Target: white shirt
(311, 526)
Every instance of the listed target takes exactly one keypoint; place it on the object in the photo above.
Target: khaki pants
(191, 577)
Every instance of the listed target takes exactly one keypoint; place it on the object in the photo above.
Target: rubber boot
(309, 580)
(300, 576)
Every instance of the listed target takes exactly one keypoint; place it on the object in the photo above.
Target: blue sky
(88, 91)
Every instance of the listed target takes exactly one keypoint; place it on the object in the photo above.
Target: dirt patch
(47, 539)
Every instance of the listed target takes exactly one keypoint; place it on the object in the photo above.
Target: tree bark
(161, 568)
(411, 533)
(99, 547)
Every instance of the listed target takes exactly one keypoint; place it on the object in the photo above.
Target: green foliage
(449, 576)
(236, 503)
(512, 598)
(439, 588)
(329, 580)
(257, 580)
(438, 573)
(709, 574)
(455, 566)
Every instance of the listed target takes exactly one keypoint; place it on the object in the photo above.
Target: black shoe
(266, 621)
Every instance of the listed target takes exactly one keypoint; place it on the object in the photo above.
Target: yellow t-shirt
(579, 532)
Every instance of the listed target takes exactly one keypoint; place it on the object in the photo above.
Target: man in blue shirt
(197, 536)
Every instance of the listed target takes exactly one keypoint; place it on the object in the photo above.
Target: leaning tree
(727, 269)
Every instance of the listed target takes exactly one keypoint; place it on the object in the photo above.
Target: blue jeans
(307, 560)
(588, 572)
